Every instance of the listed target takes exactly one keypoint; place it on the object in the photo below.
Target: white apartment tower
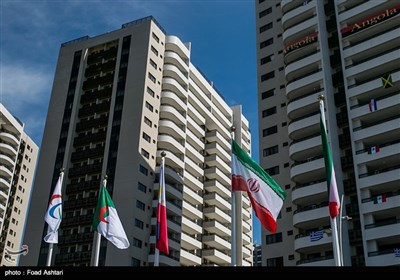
(348, 51)
(119, 100)
(18, 155)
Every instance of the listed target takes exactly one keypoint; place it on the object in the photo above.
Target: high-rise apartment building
(119, 100)
(18, 155)
(257, 260)
(348, 51)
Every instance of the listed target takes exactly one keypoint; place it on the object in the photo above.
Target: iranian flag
(266, 196)
(334, 203)
(106, 220)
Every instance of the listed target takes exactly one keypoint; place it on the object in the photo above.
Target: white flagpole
(49, 254)
(335, 238)
(51, 245)
(157, 252)
(233, 216)
(97, 235)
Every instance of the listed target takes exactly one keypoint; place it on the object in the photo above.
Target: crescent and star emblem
(103, 213)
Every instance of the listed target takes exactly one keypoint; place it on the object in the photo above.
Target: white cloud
(22, 86)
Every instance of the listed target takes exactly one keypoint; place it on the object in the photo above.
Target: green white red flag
(266, 196)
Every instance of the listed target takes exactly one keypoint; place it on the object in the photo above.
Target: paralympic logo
(55, 207)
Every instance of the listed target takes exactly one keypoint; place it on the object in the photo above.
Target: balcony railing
(373, 198)
(383, 223)
(378, 171)
(311, 207)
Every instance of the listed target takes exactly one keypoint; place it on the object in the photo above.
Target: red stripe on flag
(333, 209)
(263, 214)
(162, 233)
(238, 183)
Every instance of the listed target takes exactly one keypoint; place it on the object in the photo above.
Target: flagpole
(157, 252)
(233, 215)
(335, 238)
(51, 245)
(97, 235)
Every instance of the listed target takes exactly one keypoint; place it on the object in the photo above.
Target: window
(273, 170)
(152, 78)
(148, 122)
(287, 187)
(142, 187)
(266, 59)
(137, 243)
(291, 257)
(152, 63)
(139, 224)
(260, 1)
(153, 49)
(283, 105)
(140, 205)
(135, 262)
(149, 106)
(270, 151)
(274, 238)
(281, 68)
(145, 153)
(269, 112)
(265, 43)
(270, 130)
(146, 137)
(155, 37)
(286, 165)
(267, 76)
(285, 144)
(288, 209)
(268, 93)
(265, 27)
(150, 91)
(143, 170)
(290, 232)
(265, 12)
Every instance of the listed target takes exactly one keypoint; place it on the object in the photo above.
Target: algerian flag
(266, 196)
(106, 220)
(334, 203)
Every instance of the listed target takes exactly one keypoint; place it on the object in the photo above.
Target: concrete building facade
(349, 52)
(18, 156)
(118, 100)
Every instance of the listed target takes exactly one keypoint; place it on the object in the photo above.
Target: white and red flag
(161, 229)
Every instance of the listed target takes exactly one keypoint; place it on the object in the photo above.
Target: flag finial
(321, 97)
(233, 128)
(62, 170)
(105, 177)
(163, 154)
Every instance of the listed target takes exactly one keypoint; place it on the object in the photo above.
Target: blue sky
(222, 33)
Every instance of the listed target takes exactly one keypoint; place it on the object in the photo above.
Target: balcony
(300, 29)
(304, 84)
(167, 142)
(195, 129)
(200, 107)
(215, 186)
(173, 43)
(165, 260)
(216, 227)
(9, 137)
(191, 152)
(215, 136)
(193, 182)
(214, 213)
(172, 160)
(216, 256)
(303, 244)
(173, 58)
(217, 242)
(8, 148)
(215, 173)
(190, 227)
(320, 261)
(191, 196)
(189, 259)
(306, 194)
(311, 216)
(193, 168)
(170, 84)
(216, 148)
(170, 70)
(172, 191)
(309, 147)
(382, 229)
(382, 258)
(294, 12)
(172, 225)
(305, 171)
(189, 243)
(170, 128)
(303, 126)
(215, 160)
(191, 211)
(379, 177)
(172, 99)
(170, 113)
